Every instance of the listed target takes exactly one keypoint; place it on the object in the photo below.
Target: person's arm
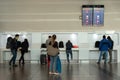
(27, 45)
(100, 45)
(55, 45)
(112, 44)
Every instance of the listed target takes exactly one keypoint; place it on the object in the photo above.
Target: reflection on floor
(82, 71)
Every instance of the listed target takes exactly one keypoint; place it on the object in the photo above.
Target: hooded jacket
(104, 45)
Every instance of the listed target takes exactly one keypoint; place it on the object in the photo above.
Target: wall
(35, 48)
(53, 15)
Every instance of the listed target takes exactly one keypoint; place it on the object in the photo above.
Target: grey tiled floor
(82, 71)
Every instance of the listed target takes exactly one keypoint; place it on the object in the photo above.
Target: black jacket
(14, 44)
(25, 46)
(112, 44)
(55, 45)
(69, 46)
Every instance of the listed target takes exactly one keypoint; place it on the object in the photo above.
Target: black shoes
(14, 65)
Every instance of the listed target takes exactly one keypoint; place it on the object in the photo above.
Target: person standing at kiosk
(111, 48)
(69, 46)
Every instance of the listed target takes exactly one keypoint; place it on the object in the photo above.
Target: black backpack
(43, 45)
(97, 43)
(8, 44)
(61, 44)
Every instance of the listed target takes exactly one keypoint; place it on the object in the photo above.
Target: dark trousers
(110, 54)
(69, 52)
(13, 59)
(22, 57)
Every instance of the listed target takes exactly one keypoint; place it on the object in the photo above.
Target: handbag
(52, 51)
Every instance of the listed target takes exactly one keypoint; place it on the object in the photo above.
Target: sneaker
(50, 73)
(56, 73)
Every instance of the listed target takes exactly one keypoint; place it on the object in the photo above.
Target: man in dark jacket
(103, 47)
(14, 48)
(69, 46)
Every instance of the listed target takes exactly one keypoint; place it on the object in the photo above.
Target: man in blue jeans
(69, 46)
(103, 47)
(14, 48)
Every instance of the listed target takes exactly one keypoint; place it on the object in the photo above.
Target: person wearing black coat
(111, 48)
(24, 49)
(14, 47)
(69, 46)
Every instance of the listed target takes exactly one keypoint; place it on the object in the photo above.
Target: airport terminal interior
(83, 22)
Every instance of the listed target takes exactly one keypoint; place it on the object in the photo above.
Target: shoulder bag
(52, 51)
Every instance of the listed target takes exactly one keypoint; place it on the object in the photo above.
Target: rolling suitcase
(48, 61)
(43, 59)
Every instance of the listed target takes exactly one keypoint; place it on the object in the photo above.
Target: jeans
(53, 60)
(101, 54)
(67, 53)
(13, 59)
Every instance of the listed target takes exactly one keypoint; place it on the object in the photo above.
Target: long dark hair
(54, 37)
(109, 38)
(25, 40)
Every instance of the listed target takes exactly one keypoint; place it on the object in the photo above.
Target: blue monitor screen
(87, 15)
(93, 15)
(98, 16)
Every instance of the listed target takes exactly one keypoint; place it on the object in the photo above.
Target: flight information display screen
(93, 15)
(98, 15)
(87, 14)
